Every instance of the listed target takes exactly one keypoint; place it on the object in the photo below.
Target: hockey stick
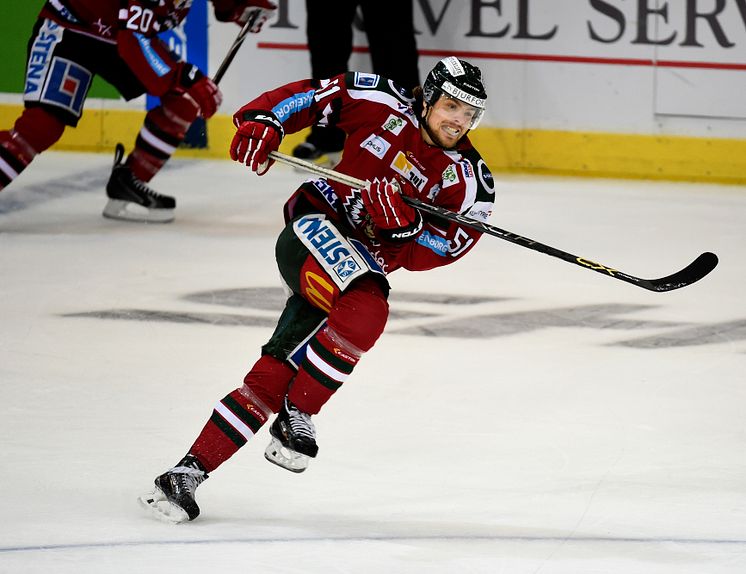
(693, 272)
(233, 50)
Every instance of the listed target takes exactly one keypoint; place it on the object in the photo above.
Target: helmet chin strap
(426, 108)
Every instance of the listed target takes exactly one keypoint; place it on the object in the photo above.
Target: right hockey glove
(396, 220)
(201, 88)
(259, 132)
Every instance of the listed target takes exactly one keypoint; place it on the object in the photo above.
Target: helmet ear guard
(459, 80)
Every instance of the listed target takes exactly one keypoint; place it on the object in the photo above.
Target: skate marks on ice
(446, 315)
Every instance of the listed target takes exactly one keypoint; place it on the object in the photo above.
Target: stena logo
(322, 238)
(376, 145)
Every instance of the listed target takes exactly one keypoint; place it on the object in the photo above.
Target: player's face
(448, 119)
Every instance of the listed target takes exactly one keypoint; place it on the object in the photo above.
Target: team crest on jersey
(363, 80)
(376, 145)
(394, 124)
(450, 176)
(411, 173)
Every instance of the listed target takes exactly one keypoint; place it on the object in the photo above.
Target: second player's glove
(201, 88)
(241, 11)
(395, 219)
(259, 133)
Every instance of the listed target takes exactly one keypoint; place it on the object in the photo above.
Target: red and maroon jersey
(132, 25)
(384, 141)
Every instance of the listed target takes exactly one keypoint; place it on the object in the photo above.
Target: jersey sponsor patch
(327, 192)
(450, 176)
(403, 166)
(394, 124)
(67, 86)
(435, 243)
(363, 80)
(481, 211)
(376, 145)
(467, 169)
(337, 257)
(50, 34)
(485, 176)
(159, 67)
(293, 104)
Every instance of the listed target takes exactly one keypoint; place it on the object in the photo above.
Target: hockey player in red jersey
(74, 40)
(338, 248)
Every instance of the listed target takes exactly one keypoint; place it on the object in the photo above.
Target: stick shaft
(700, 267)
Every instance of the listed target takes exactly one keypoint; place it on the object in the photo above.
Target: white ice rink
(519, 415)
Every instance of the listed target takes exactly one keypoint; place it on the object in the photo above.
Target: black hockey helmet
(457, 79)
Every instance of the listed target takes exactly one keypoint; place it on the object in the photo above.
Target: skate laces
(188, 477)
(300, 422)
(142, 187)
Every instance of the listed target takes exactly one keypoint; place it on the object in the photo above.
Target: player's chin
(447, 140)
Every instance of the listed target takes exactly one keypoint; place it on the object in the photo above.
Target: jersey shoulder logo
(363, 80)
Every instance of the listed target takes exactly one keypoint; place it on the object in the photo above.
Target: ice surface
(520, 415)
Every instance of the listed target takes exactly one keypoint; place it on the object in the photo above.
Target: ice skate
(173, 498)
(131, 199)
(293, 439)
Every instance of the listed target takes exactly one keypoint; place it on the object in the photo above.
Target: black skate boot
(173, 497)
(293, 439)
(131, 199)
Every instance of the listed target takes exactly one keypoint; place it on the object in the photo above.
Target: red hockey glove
(202, 89)
(396, 220)
(259, 132)
(241, 11)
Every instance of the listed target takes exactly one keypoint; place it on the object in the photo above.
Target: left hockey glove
(395, 219)
(259, 132)
(201, 88)
(240, 11)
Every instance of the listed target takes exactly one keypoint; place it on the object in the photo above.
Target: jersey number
(140, 19)
(459, 245)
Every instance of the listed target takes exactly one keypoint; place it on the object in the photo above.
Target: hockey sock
(34, 131)
(163, 130)
(269, 380)
(354, 325)
(235, 419)
(238, 416)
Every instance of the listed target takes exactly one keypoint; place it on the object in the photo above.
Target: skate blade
(157, 505)
(129, 211)
(285, 458)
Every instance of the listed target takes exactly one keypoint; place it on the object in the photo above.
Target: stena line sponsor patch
(330, 248)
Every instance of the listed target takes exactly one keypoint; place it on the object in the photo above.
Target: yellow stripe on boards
(576, 154)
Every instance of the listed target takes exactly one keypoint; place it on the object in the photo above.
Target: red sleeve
(144, 53)
(301, 104)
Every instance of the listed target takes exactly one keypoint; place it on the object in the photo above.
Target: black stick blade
(693, 272)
